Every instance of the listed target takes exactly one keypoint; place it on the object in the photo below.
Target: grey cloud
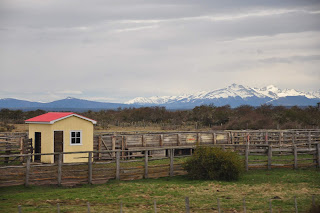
(292, 59)
(126, 48)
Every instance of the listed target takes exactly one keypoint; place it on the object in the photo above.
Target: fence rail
(144, 163)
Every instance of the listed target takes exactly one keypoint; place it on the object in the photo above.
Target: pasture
(256, 186)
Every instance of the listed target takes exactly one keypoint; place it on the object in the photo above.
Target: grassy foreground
(258, 187)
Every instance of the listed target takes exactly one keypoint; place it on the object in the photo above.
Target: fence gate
(27, 146)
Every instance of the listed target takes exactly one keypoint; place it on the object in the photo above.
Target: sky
(114, 51)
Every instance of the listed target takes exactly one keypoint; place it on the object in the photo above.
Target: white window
(75, 137)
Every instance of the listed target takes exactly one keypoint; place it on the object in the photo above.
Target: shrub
(210, 163)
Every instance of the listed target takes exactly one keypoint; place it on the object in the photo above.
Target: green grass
(258, 186)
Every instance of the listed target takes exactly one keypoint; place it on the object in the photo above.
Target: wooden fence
(19, 143)
(14, 143)
(147, 163)
(126, 141)
(11, 142)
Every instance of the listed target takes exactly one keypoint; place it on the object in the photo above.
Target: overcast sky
(116, 50)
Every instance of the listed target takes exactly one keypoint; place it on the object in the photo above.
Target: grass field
(258, 187)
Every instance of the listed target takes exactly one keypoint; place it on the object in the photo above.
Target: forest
(205, 116)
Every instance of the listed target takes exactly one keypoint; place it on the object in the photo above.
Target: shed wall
(46, 140)
(75, 124)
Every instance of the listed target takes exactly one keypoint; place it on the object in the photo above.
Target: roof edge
(59, 119)
(36, 122)
(74, 114)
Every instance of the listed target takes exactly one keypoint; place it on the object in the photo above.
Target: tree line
(208, 116)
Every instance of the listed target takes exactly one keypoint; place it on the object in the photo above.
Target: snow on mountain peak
(272, 88)
(234, 90)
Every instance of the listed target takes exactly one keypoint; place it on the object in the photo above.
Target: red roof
(51, 117)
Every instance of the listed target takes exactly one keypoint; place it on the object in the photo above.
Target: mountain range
(67, 104)
(234, 95)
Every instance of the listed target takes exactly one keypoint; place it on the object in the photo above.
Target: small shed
(61, 132)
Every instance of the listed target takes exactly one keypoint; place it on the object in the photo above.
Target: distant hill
(15, 103)
(68, 104)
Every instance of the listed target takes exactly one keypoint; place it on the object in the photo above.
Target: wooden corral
(148, 166)
(126, 141)
(14, 143)
(11, 142)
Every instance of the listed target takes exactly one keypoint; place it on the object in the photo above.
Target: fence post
(125, 142)
(280, 138)
(155, 206)
(118, 165)
(88, 207)
(120, 204)
(198, 139)
(244, 205)
(187, 205)
(58, 207)
(161, 140)
(59, 169)
(99, 146)
(293, 137)
(295, 153)
(318, 154)
(21, 149)
(247, 157)
(309, 139)
(90, 168)
(28, 170)
(214, 138)
(146, 164)
(295, 204)
(266, 138)
(218, 201)
(270, 205)
(113, 144)
(143, 141)
(19, 209)
(171, 162)
(269, 156)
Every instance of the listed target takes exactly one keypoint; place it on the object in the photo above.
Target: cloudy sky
(116, 50)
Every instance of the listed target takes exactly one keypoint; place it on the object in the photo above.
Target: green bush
(208, 163)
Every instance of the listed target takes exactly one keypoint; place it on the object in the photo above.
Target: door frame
(62, 143)
(35, 142)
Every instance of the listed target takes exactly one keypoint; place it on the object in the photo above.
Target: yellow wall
(66, 125)
(46, 140)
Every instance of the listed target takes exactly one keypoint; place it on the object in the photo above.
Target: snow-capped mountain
(274, 92)
(234, 95)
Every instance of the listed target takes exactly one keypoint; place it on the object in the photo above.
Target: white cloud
(221, 17)
(136, 28)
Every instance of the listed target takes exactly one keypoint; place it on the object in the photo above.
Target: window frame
(75, 144)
